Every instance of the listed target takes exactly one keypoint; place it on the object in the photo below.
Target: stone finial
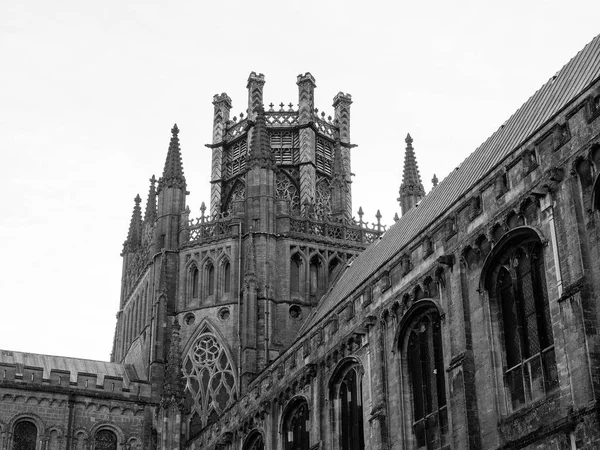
(434, 180)
(260, 144)
(173, 170)
(150, 212)
(134, 235)
(396, 218)
(411, 190)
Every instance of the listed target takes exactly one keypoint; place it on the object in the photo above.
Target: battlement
(70, 373)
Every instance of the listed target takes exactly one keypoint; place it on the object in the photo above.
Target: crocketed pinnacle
(134, 236)
(150, 212)
(173, 172)
(173, 387)
(260, 146)
(411, 189)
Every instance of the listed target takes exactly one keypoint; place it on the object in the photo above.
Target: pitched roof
(72, 365)
(560, 91)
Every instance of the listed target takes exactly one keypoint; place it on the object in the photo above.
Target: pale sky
(90, 90)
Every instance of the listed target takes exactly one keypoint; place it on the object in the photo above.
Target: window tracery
(210, 379)
(518, 285)
(323, 199)
(255, 441)
(238, 192)
(426, 381)
(346, 392)
(295, 427)
(285, 189)
(105, 440)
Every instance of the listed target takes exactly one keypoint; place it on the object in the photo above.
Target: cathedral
(277, 320)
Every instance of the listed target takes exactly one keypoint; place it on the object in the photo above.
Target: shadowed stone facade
(277, 321)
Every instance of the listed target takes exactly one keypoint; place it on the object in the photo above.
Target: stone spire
(260, 146)
(173, 386)
(173, 172)
(150, 212)
(134, 236)
(411, 189)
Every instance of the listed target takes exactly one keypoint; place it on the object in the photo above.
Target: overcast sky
(90, 90)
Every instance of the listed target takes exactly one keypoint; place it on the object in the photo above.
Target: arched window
(425, 365)
(105, 440)
(24, 436)
(516, 282)
(255, 441)
(295, 273)
(195, 281)
(210, 380)
(209, 274)
(347, 420)
(226, 277)
(295, 427)
(317, 279)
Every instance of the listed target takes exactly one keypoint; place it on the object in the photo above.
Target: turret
(306, 107)
(411, 189)
(342, 103)
(222, 104)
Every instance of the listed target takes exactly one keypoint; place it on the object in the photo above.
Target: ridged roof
(561, 90)
(72, 365)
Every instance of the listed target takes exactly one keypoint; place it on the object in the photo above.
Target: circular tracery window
(210, 379)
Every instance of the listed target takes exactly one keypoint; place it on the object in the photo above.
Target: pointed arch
(208, 277)
(316, 271)
(254, 441)
(295, 424)
(224, 275)
(210, 375)
(345, 393)
(297, 273)
(237, 192)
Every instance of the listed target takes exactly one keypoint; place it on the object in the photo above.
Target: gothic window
(285, 189)
(517, 284)
(323, 199)
(295, 427)
(226, 277)
(317, 277)
(210, 378)
(238, 192)
(347, 408)
(209, 278)
(105, 440)
(255, 441)
(195, 281)
(295, 274)
(426, 381)
(24, 436)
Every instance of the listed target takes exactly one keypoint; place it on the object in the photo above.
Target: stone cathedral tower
(222, 295)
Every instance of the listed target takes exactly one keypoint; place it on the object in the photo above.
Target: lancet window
(425, 362)
(194, 281)
(24, 436)
(295, 427)
(105, 440)
(517, 283)
(210, 379)
(317, 277)
(209, 278)
(296, 268)
(226, 277)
